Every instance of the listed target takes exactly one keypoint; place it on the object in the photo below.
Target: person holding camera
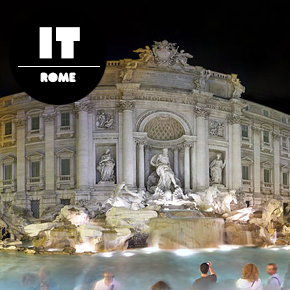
(208, 277)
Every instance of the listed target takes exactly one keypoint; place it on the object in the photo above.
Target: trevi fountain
(189, 204)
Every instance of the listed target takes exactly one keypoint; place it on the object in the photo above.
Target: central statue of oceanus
(167, 182)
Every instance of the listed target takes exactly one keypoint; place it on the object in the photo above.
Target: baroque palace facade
(52, 154)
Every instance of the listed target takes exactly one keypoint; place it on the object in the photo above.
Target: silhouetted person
(206, 281)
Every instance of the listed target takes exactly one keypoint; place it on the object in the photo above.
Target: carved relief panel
(105, 120)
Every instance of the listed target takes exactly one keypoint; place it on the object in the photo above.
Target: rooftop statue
(163, 54)
(238, 87)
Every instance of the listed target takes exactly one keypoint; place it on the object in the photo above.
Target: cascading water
(185, 229)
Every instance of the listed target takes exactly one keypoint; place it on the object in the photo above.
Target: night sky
(229, 37)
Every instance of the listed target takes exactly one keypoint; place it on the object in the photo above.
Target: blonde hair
(251, 272)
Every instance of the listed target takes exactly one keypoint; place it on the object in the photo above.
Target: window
(35, 208)
(35, 169)
(284, 142)
(285, 178)
(64, 122)
(65, 119)
(35, 126)
(7, 103)
(265, 113)
(284, 120)
(8, 128)
(34, 123)
(65, 167)
(65, 201)
(7, 172)
(245, 131)
(266, 175)
(266, 138)
(245, 172)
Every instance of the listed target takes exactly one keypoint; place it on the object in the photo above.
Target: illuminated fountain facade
(155, 128)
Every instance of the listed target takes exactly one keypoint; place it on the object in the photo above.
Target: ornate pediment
(163, 54)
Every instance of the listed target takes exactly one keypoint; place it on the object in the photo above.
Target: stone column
(236, 151)
(141, 163)
(201, 149)
(127, 108)
(276, 147)
(82, 109)
(257, 159)
(187, 162)
(91, 161)
(49, 117)
(176, 160)
(192, 167)
(20, 123)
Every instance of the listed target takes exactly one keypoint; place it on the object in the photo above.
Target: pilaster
(82, 109)
(201, 148)
(20, 122)
(257, 159)
(49, 117)
(235, 121)
(127, 107)
(141, 163)
(187, 170)
(276, 147)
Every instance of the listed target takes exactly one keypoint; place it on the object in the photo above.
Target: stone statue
(213, 200)
(164, 52)
(205, 201)
(145, 54)
(106, 167)
(164, 171)
(127, 72)
(216, 167)
(100, 119)
(238, 88)
(202, 78)
(134, 201)
(182, 57)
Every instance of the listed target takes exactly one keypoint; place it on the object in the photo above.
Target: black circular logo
(58, 56)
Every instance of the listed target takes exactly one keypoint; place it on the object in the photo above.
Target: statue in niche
(106, 167)
(216, 168)
(166, 176)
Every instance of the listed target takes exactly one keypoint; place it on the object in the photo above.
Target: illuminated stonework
(49, 154)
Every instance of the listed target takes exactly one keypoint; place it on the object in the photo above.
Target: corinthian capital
(256, 130)
(126, 105)
(234, 119)
(20, 122)
(200, 112)
(49, 117)
(83, 106)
